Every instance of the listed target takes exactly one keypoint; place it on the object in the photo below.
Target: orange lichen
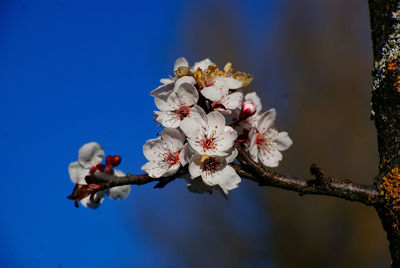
(397, 83)
(390, 188)
(392, 66)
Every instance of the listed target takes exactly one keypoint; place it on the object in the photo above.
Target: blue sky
(73, 72)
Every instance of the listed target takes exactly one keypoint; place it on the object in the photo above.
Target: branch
(248, 169)
(100, 181)
(321, 185)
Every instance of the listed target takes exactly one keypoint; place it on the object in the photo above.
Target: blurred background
(73, 72)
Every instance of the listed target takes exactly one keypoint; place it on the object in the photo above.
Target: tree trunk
(385, 29)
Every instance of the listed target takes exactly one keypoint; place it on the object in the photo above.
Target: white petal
(98, 196)
(282, 142)
(119, 192)
(73, 170)
(166, 81)
(184, 80)
(181, 62)
(233, 101)
(172, 170)
(167, 119)
(164, 102)
(266, 120)
(185, 155)
(213, 178)
(155, 170)
(215, 124)
(227, 82)
(213, 93)
(197, 113)
(164, 89)
(191, 127)
(173, 138)
(119, 173)
(195, 166)
(252, 148)
(228, 178)
(153, 149)
(227, 139)
(230, 158)
(203, 65)
(270, 157)
(187, 94)
(90, 154)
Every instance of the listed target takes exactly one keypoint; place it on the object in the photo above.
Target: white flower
(217, 89)
(203, 65)
(209, 135)
(266, 142)
(165, 154)
(214, 86)
(181, 67)
(178, 104)
(228, 102)
(165, 89)
(89, 155)
(214, 170)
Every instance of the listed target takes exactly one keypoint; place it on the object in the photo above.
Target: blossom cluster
(204, 112)
(90, 156)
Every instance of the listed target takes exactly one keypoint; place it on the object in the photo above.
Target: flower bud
(93, 170)
(108, 160)
(248, 109)
(115, 160)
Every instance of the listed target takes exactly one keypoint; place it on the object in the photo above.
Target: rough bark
(385, 26)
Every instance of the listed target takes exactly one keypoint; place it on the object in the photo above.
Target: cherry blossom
(214, 83)
(203, 65)
(228, 102)
(181, 69)
(91, 155)
(178, 104)
(214, 170)
(209, 135)
(166, 153)
(266, 142)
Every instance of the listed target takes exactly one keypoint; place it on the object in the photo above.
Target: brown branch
(100, 181)
(321, 185)
(248, 169)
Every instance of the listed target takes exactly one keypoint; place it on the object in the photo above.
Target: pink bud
(248, 109)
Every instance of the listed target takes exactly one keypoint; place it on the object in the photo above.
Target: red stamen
(172, 158)
(260, 140)
(207, 143)
(183, 111)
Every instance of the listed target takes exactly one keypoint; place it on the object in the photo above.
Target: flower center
(210, 164)
(207, 143)
(172, 158)
(183, 111)
(261, 140)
